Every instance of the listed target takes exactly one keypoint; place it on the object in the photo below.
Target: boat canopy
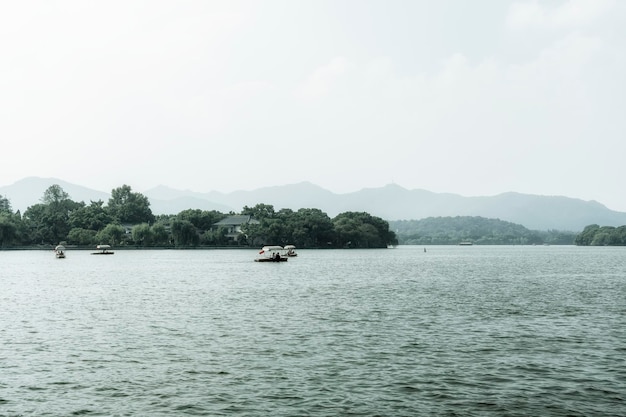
(103, 247)
(272, 247)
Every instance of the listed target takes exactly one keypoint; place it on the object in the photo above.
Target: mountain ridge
(390, 202)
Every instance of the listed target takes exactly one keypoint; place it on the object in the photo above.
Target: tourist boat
(59, 251)
(271, 254)
(465, 243)
(290, 250)
(103, 250)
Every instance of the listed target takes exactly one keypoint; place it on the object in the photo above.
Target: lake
(455, 330)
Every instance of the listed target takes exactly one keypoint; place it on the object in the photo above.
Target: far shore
(118, 248)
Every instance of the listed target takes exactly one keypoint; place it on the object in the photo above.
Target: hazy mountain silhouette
(29, 191)
(390, 202)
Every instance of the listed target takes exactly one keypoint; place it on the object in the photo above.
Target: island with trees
(595, 235)
(127, 220)
(475, 230)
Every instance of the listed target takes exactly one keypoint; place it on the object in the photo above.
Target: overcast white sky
(467, 97)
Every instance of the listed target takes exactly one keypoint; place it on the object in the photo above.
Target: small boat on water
(271, 253)
(59, 251)
(290, 250)
(103, 250)
(465, 243)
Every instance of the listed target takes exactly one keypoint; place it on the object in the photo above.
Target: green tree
(201, 219)
(160, 236)
(34, 219)
(602, 237)
(8, 230)
(312, 228)
(129, 207)
(184, 233)
(49, 219)
(82, 237)
(142, 234)
(10, 224)
(217, 237)
(620, 235)
(587, 235)
(54, 195)
(259, 212)
(368, 236)
(253, 233)
(112, 234)
(362, 230)
(276, 231)
(91, 217)
(346, 231)
(5, 205)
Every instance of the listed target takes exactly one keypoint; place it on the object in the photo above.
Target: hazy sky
(467, 97)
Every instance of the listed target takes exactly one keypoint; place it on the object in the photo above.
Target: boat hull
(281, 259)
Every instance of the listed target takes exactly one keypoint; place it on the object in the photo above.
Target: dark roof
(236, 221)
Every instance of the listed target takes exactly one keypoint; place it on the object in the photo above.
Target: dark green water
(459, 331)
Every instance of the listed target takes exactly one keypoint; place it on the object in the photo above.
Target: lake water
(458, 331)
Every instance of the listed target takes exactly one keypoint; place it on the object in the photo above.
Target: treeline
(127, 219)
(313, 228)
(595, 235)
(477, 230)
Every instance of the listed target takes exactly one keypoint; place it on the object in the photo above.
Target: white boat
(103, 250)
(271, 253)
(290, 250)
(59, 251)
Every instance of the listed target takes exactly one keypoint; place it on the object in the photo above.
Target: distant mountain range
(390, 202)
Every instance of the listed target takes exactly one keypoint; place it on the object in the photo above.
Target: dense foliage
(594, 235)
(313, 228)
(477, 230)
(127, 220)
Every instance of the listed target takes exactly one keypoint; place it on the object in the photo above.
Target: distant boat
(271, 254)
(103, 250)
(465, 243)
(59, 251)
(290, 250)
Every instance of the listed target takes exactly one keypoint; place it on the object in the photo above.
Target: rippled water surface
(398, 332)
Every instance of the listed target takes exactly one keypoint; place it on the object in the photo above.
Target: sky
(473, 98)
